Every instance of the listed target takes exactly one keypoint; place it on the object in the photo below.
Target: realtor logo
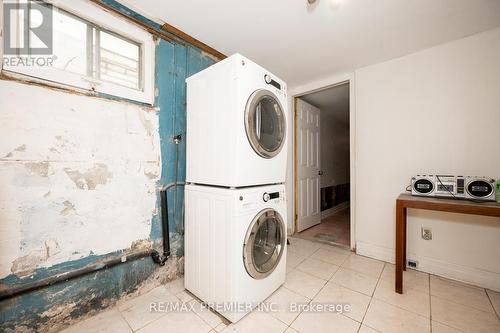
(27, 28)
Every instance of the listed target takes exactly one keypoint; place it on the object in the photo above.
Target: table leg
(400, 246)
(404, 237)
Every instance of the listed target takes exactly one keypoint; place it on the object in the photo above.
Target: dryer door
(265, 123)
(264, 243)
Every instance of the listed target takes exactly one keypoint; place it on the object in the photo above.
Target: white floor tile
(364, 265)
(366, 329)
(388, 318)
(336, 249)
(355, 281)
(495, 300)
(330, 257)
(460, 293)
(137, 312)
(282, 299)
(463, 317)
(177, 322)
(302, 246)
(334, 293)
(293, 259)
(303, 283)
(318, 268)
(291, 330)
(441, 328)
(412, 300)
(412, 279)
(219, 328)
(175, 286)
(184, 296)
(454, 307)
(208, 315)
(324, 322)
(257, 322)
(109, 321)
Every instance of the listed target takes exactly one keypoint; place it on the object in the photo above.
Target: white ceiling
(302, 43)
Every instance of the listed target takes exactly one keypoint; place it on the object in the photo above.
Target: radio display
(423, 186)
(445, 188)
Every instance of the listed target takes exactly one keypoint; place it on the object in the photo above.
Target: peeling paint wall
(78, 176)
(174, 64)
(79, 181)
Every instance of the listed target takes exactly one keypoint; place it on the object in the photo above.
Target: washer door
(264, 243)
(265, 123)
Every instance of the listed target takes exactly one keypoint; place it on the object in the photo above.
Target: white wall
(77, 176)
(435, 111)
(334, 150)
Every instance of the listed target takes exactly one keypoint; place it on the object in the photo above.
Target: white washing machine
(235, 246)
(236, 125)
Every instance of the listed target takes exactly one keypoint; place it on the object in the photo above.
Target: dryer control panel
(279, 88)
(269, 196)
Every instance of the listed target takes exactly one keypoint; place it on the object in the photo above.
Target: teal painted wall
(174, 62)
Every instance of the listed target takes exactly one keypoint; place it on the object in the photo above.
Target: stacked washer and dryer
(235, 207)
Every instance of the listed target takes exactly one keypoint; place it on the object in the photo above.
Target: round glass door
(265, 123)
(264, 244)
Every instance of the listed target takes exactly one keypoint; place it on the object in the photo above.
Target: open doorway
(323, 180)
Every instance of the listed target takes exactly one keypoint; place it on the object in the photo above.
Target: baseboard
(333, 210)
(478, 277)
(375, 252)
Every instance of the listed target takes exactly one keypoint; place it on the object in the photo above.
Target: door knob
(320, 172)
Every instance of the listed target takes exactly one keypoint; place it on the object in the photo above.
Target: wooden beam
(193, 41)
(167, 32)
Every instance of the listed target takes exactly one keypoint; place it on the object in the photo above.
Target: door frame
(315, 87)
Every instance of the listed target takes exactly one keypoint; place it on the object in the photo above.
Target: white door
(308, 165)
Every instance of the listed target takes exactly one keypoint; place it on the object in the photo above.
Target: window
(91, 49)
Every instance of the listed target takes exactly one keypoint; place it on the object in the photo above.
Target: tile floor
(322, 274)
(332, 229)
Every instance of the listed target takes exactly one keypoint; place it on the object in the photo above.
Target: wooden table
(405, 201)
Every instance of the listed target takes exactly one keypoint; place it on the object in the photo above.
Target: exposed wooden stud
(191, 40)
(167, 32)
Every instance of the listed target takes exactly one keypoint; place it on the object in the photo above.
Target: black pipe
(19, 289)
(165, 231)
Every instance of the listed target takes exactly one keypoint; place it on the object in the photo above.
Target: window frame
(96, 17)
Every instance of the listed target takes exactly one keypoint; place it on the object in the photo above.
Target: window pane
(70, 46)
(119, 61)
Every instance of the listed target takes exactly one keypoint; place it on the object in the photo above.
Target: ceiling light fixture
(311, 1)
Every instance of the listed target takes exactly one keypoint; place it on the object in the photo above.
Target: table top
(487, 208)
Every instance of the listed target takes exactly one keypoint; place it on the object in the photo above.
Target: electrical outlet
(426, 233)
(412, 263)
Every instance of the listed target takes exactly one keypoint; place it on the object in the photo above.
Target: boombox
(458, 187)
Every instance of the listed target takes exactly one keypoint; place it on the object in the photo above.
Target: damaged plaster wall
(78, 176)
(79, 180)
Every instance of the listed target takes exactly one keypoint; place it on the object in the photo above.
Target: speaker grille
(479, 188)
(423, 186)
